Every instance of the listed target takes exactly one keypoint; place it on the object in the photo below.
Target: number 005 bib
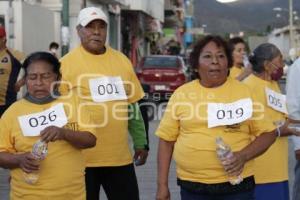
(276, 100)
(220, 114)
(33, 124)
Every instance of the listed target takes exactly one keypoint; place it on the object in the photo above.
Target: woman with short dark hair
(199, 112)
(42, 115)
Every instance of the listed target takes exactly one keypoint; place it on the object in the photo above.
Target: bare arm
(79, 139)
(258, 146)
(164, 156)
(235, 165)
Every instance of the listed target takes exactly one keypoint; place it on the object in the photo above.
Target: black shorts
(119, 183)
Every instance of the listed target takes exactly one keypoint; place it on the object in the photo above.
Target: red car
(162, 74)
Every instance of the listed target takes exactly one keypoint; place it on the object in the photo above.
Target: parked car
(163, 74)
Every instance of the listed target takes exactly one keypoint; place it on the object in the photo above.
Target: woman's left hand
(52, 133)
(234, 165)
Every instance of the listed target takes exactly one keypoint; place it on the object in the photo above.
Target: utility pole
(65, 35)
(291, 24)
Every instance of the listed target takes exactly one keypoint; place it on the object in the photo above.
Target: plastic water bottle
(224, 152)
(39, 152)
(246, 61)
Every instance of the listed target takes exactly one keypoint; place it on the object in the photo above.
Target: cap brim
(88, 20)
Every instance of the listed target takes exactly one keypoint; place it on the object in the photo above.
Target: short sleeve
(19, 56)
(6, 142)
(169, 126)
(135, 87)
(259, 123)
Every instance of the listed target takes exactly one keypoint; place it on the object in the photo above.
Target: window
(163, 62)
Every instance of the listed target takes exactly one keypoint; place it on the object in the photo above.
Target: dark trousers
(187, 195)
(119, 183)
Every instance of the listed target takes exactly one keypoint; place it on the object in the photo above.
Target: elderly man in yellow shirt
(106, 84)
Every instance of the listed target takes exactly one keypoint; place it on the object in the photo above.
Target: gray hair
(262, 53)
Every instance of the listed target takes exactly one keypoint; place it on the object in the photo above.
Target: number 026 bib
(220, 114)
(107, 89)
(33, 124)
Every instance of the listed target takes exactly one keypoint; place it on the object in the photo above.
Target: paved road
(147, 174)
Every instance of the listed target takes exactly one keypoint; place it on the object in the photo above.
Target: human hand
(19, 84)
(27, 162)
(140, 156)
(163, 193)
(290, 127)
(52, 133)
(235, 164)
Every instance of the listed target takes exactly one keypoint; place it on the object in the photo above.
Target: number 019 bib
(33, 124)
(107, 89)
(220, 114)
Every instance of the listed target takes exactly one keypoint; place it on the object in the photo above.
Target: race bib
(33, 124)
(220, 114)
(276, 100)
(107, 89)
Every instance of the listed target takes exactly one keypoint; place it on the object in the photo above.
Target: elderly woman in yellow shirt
(43, 115)
(271, 168)
(212, 106)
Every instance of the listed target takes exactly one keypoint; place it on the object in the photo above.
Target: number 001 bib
(220, 114)
(107, 89)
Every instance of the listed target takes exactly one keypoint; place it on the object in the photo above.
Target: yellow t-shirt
(111, 116)
(8, 76)
(235, 72)
(61, 174)
(187, 124)
(272, 166)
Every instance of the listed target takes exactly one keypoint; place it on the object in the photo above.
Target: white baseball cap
(89, 14)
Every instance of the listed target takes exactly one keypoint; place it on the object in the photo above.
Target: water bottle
(39, 152)
(224, 152)
(245, 61)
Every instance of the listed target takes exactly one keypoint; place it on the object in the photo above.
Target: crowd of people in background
(85, 105)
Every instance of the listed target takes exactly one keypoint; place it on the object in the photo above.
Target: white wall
(37, 28)
(75, 7)
(254, 41)
(32, 27)
(56, 7)
(154, 8)
(282, 42)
